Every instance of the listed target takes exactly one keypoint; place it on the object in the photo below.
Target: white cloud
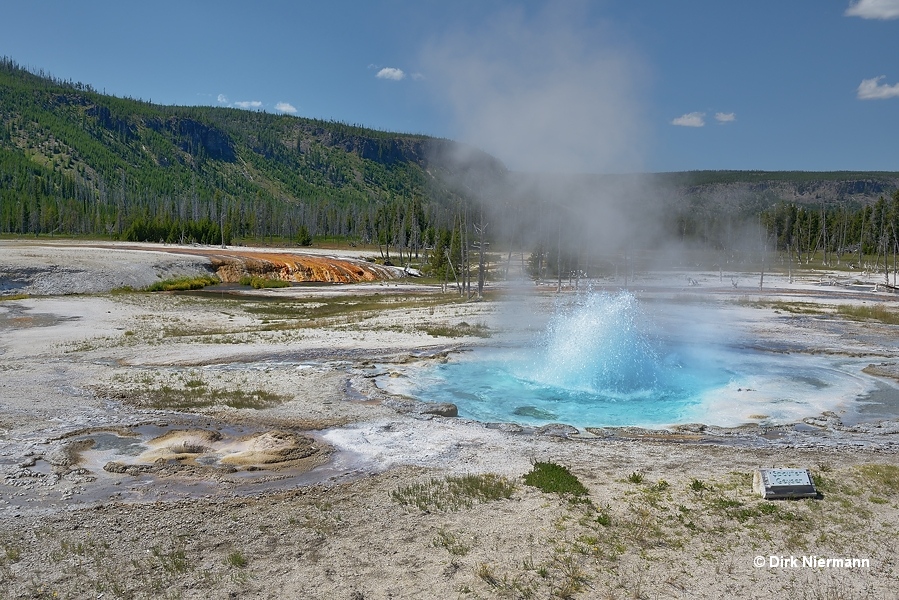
(874, 9)
(417, 76)
(248, 104)
(725, 117)
(223, 99)
(285, 107)
(693, 119)
(871, 89)
(391, 73)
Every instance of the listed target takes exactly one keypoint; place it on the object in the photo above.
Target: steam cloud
(560, 104)
(542, 93)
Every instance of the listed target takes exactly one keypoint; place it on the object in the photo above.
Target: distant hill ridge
(801, 187)
(65, 147)
(75, 161)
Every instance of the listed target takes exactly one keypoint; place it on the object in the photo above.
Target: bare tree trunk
(790, 261)
(559, 255)
(453, 269)
(861, 239)
(481, 275)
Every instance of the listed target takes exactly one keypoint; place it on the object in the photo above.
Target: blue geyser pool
(601, 361)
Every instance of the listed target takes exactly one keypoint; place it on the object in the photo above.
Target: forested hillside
(77, 162)
(73, 161)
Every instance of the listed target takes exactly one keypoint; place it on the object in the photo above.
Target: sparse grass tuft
(798, 308)
(14, 297)
(635, 477)
(454, 493)
(11, 553)
(452, 542)
(881, 478)
(699, 486)
(237, 559)
(199, 396)
(604, 516)
(877, 312)
(463, 329)
(173, 561)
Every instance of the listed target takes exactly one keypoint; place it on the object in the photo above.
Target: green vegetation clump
(463, 329)
(181, 284)
(555, 479)
(635, 477)
(196, 397)
(237, 559)
(262, 282)
(454, 493)
(877, 312)
(14, 297)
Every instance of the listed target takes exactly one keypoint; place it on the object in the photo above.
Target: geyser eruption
(597, 346)
(600, 361)
(594, 364)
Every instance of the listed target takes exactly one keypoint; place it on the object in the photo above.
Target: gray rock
(557, 430)
(410, 406)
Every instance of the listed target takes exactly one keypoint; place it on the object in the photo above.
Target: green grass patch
(14, 297)
(635, 477)
(173, 561)
(463, 329)
(237, 559)
(356, 307)
(182, 284)
(883, 479)
(796, 308)
(865, 312)
(454, 493)
(262, 282)
(196, 397)
(555, 479)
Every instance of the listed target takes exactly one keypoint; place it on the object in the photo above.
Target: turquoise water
(600, 360)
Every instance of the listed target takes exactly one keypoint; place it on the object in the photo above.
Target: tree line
(864, 237)
(76, 162)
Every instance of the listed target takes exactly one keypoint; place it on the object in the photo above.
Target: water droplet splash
(598, 346)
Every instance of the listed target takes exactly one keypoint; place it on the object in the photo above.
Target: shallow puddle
(19, 317)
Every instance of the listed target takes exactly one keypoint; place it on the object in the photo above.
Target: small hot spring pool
(600, 361)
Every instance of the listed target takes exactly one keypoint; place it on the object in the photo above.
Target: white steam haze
(542, 92)
(561, 105)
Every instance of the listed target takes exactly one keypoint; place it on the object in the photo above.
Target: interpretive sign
(784, 483)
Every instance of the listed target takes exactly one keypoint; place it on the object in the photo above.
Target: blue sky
(594, 86)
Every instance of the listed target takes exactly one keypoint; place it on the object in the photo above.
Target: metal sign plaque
(784, 483)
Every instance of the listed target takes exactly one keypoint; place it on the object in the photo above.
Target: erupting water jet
(601, 361)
